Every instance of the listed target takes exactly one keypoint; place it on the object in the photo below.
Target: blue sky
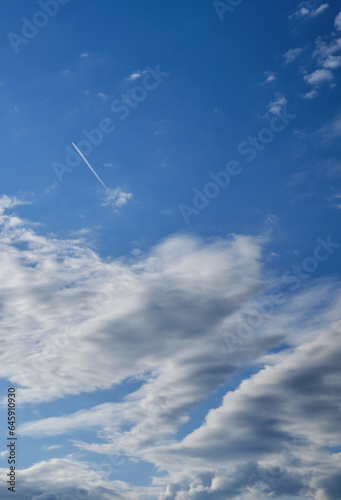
(172, 335)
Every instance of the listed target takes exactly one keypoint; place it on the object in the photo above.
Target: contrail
(105, 187)
(88, 164)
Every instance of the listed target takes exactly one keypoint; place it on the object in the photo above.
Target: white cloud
(52, 447)
(79, 301)
(283, 419)
(7, 202)
(116, 197)
(302, 12)
(269, 436)
(332, 62)
(292, 54)
(270, 77)
(324, 50)
(326, 54)
(165, 326)
(276, 106)
(3, 454)
(337, 23)
(309, 10)
(103, 96)
(320, 9)
(319, 76)
(331, 130)
(310, 95)
(65, 478)
(136, 75)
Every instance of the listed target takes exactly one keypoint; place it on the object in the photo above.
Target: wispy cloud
(312, 94)
(293, 54)
(337, 23)
(331, 130)
(269, 77)
(136, 75)
(103, 96)
(309, 10)
(7, 202)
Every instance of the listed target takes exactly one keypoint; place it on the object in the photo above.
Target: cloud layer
(77, 323)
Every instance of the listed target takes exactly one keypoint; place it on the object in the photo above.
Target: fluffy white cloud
(319, 76)
(325, 56)
(332, 62)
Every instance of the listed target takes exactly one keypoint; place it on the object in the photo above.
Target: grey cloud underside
(162, 319)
